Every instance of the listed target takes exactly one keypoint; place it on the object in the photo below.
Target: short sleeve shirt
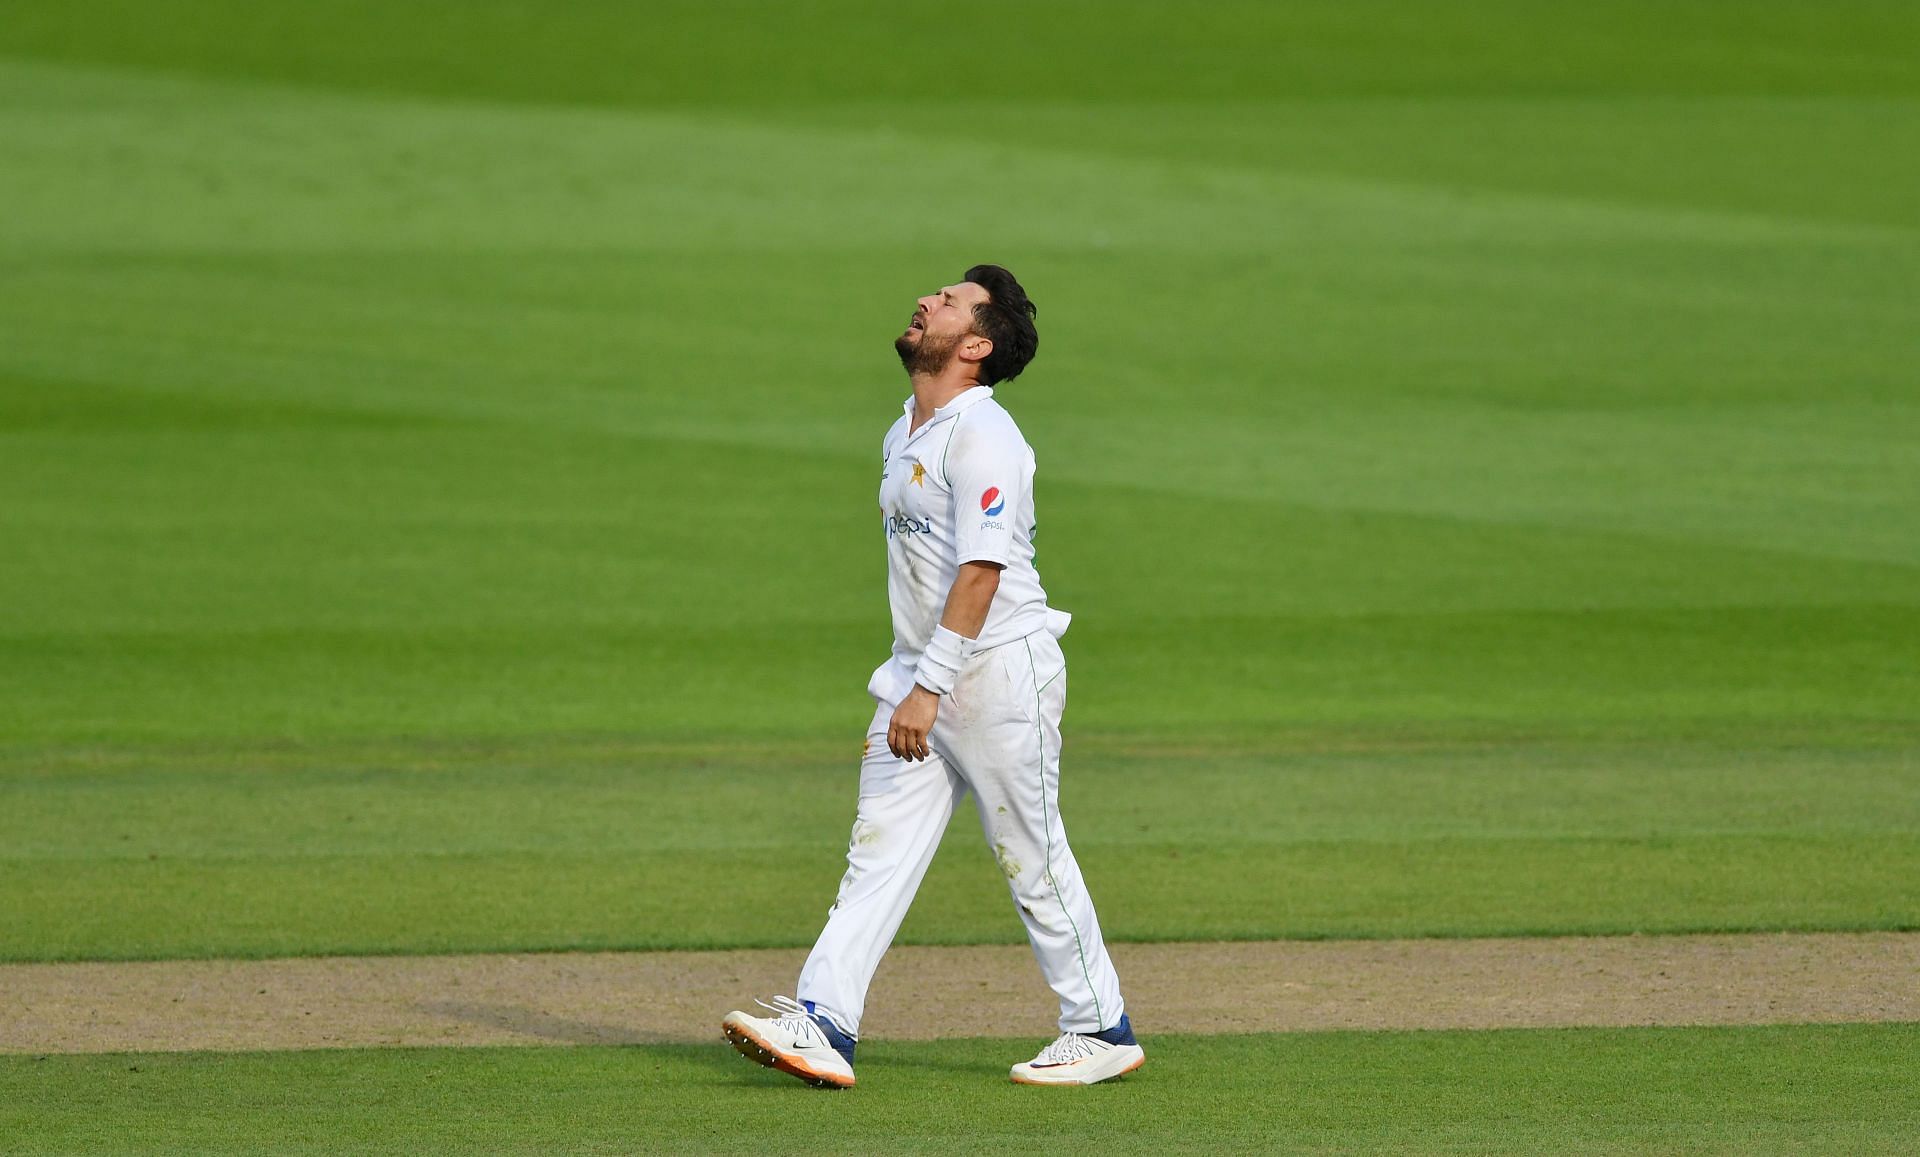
(958, 489)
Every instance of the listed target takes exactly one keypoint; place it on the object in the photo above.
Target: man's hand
(912, 722)
(965, 613)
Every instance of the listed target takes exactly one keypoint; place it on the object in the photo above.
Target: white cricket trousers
(998, 734)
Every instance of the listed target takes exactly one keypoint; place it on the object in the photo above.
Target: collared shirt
(958, 489)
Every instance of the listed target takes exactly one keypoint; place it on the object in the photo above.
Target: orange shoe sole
(762, 1053)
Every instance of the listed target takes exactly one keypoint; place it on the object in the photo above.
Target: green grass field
(574, 845)
(1835, 1089)
(1480, 446)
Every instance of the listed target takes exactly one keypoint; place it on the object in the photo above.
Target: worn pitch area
(925, 992)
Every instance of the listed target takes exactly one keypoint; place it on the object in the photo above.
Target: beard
(927, 356)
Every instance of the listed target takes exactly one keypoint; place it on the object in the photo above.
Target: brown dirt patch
(922, 993)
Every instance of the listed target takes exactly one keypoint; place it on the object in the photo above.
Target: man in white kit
(970, 700)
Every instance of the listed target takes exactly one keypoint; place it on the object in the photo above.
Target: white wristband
(940, 665)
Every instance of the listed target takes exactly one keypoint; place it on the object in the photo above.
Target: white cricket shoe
(798, 1041)
(1084, 1058)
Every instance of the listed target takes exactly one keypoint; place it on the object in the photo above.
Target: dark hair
(1006, 320)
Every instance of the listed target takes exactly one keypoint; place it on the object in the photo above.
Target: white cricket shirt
(959, 489)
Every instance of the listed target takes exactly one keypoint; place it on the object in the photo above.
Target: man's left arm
(964, 616)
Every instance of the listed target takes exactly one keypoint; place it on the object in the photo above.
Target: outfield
(1652, 1090)
(1480, 447)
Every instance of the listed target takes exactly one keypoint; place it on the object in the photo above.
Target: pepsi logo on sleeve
(992, 502)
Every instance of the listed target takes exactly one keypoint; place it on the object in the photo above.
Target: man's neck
(932, 392)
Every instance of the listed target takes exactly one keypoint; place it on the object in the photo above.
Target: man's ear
(976, 348)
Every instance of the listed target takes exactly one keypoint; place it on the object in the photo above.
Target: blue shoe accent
(841, 1042)
(1119, 1034)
